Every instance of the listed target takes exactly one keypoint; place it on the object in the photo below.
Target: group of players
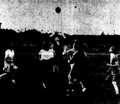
(59, 65)
(66, 70)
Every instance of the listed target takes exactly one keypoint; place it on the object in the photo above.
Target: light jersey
(112, 56)
(9, 53)
(46, 55)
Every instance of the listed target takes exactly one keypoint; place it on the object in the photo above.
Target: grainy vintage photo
(60, 70)
(59, 52)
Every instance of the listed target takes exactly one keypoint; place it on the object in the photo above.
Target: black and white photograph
(59, 52)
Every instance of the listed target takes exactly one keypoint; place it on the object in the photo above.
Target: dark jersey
(79, 68)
